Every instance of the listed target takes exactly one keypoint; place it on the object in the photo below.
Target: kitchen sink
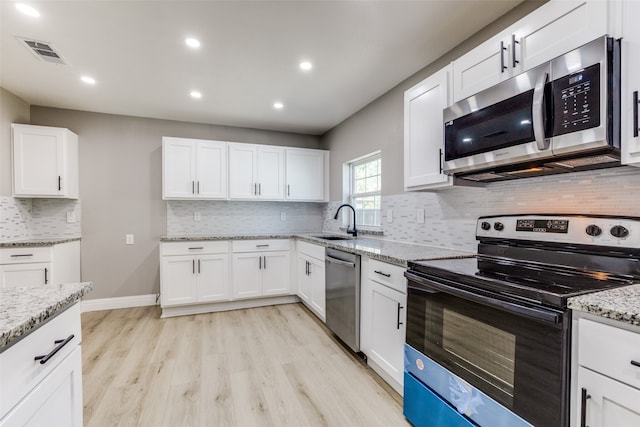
(333, 237)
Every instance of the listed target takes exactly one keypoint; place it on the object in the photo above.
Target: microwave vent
(43, 51)
(585, 161)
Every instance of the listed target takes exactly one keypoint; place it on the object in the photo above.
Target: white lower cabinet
(261, 268)
(383, 311)
(311, 277)
(607, 362)
(44, 394)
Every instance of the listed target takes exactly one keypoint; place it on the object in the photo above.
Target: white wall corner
(118, 302)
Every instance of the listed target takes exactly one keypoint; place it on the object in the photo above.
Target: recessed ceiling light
(88, 80)
(278, 105)
(195, 94)
(27, 10)
(306, 65)
(191, 42)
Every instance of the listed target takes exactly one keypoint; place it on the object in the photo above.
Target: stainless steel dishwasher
(342, 271)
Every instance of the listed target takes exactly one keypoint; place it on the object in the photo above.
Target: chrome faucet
(354, 230)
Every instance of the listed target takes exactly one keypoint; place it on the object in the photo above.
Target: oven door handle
(430, 286)
(537, 111)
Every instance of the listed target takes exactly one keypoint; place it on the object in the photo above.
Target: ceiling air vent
(43, 50)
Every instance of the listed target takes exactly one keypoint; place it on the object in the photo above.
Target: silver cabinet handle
(265, 262)
(583, 408)
(21, 255)
(198, 266)
(193, 187)
(46, 276)
(59, 183)
(198, 190)
(502, 49)
(260, 263)
(262, 246)
(259, 189)
(635, 114)
(255, 189)
(288, 190)
(193, 266)
(400, 307)
(514, 42)
(196, 247)
(382, 273)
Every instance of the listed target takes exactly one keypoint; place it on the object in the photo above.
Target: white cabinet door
(556, 28)
(178, 280)
(318, 287)
(30, 274)
(55, 401)
(242, 169)
(211, 162)
(304, 280)
(178, 168)
(275, 273)
(305, 174)
(610, 403)
(386, 322)
(212, 278)
(45, 162)
(482, 67)
(247, 275)
(270, 172)
(424, 132)
(630, 144)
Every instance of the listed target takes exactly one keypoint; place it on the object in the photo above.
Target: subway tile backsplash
(24, 219)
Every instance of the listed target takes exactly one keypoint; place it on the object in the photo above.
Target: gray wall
(379, 125)
(121, 190)
(12, 110)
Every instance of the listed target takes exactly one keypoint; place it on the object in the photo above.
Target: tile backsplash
(233, 217)
(451, 214)
(23, 219)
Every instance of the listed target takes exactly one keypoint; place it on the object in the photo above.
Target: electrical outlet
(71, 217)
(389, 215)
(283, 216)
(420, 216)
(196, 216)
(129, 239)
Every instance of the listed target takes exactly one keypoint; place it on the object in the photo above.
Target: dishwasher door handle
(339, 261)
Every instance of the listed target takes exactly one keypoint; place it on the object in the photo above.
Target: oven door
(502, 125)
(515, 353)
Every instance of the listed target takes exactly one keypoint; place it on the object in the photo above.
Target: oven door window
(504, 124)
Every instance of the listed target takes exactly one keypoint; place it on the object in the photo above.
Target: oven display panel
(543, 225)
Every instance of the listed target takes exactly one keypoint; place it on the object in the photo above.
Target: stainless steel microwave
(561, 116)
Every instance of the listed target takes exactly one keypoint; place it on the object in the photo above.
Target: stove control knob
(619, 231)
(485, 225)
(593, 230)
(498, 226)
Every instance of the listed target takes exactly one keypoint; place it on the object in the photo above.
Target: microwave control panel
(576, 101)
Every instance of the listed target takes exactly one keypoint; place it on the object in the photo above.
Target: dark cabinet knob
(498, 226)
(485, 225)
(593, 230)
(619, 231)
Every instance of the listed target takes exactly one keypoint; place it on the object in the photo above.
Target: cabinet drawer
(609, 350)
(387, 274)
(309, 249)
(24, 255)
(260, 245)
(194, 248)
(18, 369)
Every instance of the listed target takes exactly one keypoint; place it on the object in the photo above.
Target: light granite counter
(22, 310)
(622, 304)
(37, 242)
(397, 253)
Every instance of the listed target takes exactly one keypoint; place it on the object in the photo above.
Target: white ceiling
(248, 59)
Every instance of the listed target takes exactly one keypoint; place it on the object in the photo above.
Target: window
(366, 185)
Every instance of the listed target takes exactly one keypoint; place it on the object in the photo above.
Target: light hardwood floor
(270, 366)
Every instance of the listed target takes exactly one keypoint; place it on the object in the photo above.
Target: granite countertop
(37, 242)
(23, 310)
(383, 250)
(621, 304)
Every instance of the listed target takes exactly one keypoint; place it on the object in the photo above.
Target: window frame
(375, 156)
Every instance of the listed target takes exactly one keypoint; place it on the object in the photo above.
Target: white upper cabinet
(551, 30)
(424, 132)
(630, 144)
(256, 172)
(307, 175)
(194, 169)
(45, 162)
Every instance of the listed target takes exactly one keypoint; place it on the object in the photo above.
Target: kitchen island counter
(24, 309)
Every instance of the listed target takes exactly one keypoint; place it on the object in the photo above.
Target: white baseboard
(184, 310)
(118, 302)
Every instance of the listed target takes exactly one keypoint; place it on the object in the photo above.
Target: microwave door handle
(429, 286)
(538, 113)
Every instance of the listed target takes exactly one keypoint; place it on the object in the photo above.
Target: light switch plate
(71, 217)
(389, 215)
(196, 216)
(129, 239)
(420, 216)
(283, 216)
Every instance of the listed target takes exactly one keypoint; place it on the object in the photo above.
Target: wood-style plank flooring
(269, 366)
